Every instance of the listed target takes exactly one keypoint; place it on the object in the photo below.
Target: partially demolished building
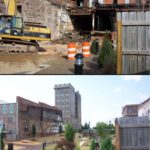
(63, 16)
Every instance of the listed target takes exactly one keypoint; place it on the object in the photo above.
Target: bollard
(78, 64)
(43, 146)
(10, 146)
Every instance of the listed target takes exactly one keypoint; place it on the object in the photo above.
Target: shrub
(60, 129)
(2, 140)
(95, 47)
(77, 148)
(33, 130)
(107, 144)
(107, 55)
(92, 146)
(69, 133)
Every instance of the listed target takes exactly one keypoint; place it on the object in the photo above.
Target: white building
(144, 108)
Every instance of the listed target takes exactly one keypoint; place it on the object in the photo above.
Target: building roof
(67, 85)
(130, 105)
(144, 103)
(25, 102)
(2, 102)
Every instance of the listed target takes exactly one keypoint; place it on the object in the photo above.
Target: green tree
(92, 146)
(60, 129)
(107, 144)
(95, 47)
(69, 133)
(104, 130)
(33, 130)
(107, 55)
(86, 126)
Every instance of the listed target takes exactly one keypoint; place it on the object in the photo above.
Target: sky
(102, 96)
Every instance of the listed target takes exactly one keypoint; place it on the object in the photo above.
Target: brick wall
(51, 15)
(41, 115)
(8, 116)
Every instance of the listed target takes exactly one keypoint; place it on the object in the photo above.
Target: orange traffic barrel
(71, 51)
(86, 49)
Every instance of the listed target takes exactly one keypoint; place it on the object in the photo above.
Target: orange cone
(71, 51)
(86, 49)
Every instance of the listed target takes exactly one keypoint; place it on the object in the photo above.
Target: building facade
(144, 108)
(69, 101)
(8, 116)
(19, 118)
(130, 110)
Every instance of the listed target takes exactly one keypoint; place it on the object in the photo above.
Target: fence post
(117, 134)
(119, 47)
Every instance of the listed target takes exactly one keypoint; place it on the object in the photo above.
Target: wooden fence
(135, 42)
(133, 133)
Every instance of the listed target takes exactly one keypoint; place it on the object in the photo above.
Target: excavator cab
(11, 25)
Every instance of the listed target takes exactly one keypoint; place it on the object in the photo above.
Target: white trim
(71, 49)
(71, 55)
(84, 53)
(86, 47)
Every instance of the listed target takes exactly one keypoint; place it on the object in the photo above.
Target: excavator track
(18, 46)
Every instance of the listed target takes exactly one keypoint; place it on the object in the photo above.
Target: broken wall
(53, 16)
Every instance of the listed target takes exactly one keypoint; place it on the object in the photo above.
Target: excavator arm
(10, 7)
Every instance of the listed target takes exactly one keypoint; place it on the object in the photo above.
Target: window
(11, 108)
(17, 23)
(10, 120)
(4, 109)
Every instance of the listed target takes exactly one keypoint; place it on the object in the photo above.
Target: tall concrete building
(69, 101)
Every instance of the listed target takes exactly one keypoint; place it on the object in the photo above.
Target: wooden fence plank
(134, 133)
(136, 42)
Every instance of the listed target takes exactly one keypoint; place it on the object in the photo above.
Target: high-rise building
(69, 101)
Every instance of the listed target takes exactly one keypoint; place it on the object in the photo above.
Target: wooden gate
(135, 42)
(133, 133)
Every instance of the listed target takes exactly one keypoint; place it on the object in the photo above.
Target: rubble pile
(73, 36)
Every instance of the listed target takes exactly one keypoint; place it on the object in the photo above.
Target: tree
(69, 133)
(86, 126)
(107, 56)
(95, 47)
(60, 129)
(33, 130)
(92, 146)
(104, 130)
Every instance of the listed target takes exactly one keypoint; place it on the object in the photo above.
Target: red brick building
(19, 118)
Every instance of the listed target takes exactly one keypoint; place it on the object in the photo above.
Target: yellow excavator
(15, 36)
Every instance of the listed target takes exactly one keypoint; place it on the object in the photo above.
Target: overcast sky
(102, 96)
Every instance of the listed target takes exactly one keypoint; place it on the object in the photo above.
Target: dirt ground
(52, 59)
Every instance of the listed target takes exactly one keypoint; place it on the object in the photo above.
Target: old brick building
(134, 110)
(63, 16)
(8, 115)
(19, 118)
(130, 110)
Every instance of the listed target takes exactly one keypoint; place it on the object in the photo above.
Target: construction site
(44, 36)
